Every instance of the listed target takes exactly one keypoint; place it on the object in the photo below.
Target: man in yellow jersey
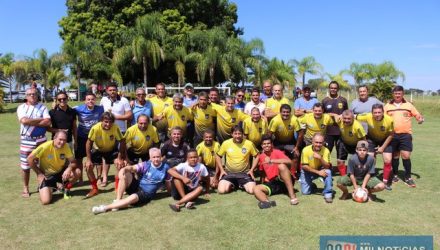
(139, 138)
(283, 128)
(255, 127)
(177, 115)
(49, 163)
(204, 117)
(315, 163)
(227, 117)
(401, 111)
(207, 150)
(274, 103)
(159, 102)
(235, 174)
(102, 148)
(351, 132)
(315, 122)
(379, 136)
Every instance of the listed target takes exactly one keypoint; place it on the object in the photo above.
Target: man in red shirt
(275, 175)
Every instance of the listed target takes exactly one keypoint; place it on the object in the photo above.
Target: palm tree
(385, 76)
(360, 72)
(307, 65)
(81, 55)
(54, 77)
(278, 71)
(253, 56)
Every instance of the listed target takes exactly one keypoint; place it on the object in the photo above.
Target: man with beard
(139, 138)
(227, 118)
(204, 117)
(160, 101)
(207, 150)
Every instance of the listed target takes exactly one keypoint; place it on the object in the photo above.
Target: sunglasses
(141, 94)
(62, 99)
(31, 94)
(240, 95)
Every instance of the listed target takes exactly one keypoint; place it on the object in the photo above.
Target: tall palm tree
(278, 71)
(385, 76)
(307, 65)
(54, 77)
(360, 72)
(81, 55)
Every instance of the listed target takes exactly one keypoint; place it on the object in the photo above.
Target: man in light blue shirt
(189, 99)
(141, 106)
(305, 103)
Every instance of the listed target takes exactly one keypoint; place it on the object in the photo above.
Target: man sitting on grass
(186, 181)
(151, 176)
(275, 174)
(49, 163)
(360, 171)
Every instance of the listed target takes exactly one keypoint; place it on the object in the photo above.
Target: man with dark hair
(174, 150)
(239, 97)
(139, 138)
(255, 127)
(214, 96)
(49, 163)
(401, 111)
(379, 137)
(34, 120)
(204, 117)
(177, 115)
(63, 117)
(305, 103)
(207, 150)
(333, 105)
(227, 118)
(118, 106)
(88, 114)
(109, 147)
(255, 103)
(275, 175)
(315, 122)
(235, 174)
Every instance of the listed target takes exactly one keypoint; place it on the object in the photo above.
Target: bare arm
(125, 117)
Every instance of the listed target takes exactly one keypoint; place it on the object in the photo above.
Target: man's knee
(282, 167)
(380, 186)
(249, 187)
(224, 187)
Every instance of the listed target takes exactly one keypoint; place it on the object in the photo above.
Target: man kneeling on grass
(151, 176)
(275, 173)
(360, 171)
(186, 181)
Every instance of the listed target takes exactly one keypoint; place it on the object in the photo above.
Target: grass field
(230, 221)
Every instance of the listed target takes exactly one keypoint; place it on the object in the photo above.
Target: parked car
(72, 94)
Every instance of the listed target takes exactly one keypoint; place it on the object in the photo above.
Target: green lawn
(227, 221)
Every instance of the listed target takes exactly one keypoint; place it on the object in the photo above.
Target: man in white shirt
(255, 103)
(118, 106)
(34, 119)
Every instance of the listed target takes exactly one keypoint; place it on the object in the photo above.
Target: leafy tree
(385, 76)
(278, 71)
(307, 65)
(360, 72)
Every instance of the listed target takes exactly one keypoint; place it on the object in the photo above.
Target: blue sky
(336, 33)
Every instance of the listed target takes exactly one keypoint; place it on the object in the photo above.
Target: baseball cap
(188, 85)
(362, 144)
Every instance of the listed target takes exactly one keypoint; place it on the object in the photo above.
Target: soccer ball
(360, 195)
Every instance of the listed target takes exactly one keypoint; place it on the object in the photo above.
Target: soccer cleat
(273, 203)
(93, 192)
(395, 179)
(264, 204)
(98, 209)
(388, 187)
(67, 195)
(328, 199)
(410, 182)
(190, 205)
(174, 207)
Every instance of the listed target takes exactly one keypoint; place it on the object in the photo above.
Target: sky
(336, 33)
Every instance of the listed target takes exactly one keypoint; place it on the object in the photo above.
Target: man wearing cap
(189, 99)
(360, 173)
(305, 103)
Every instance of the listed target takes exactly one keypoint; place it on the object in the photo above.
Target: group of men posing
(192, 144)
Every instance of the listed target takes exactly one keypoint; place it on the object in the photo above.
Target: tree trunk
(211, 75)
(10, 90)
(304, 80)
(144, 63)
(78, 77)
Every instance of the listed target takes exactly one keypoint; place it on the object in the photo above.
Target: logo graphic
(382, 128)
(350, 133)
(112, 137)
(243, 150)
(322, 126)
(206, 116)
(50, 157)
(233, 120)
(289, 127)
(340, 105)
(62, 156)
(147, 137)
(182, 117)
(136, 138)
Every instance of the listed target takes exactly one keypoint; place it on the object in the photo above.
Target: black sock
(407, 166)
(395, 164)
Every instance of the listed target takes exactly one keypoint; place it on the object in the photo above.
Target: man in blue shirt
(267, 91)
(189, 99)
(305, 103)
(141, 106)
(88, 114)
(239, 103)
(152, 175)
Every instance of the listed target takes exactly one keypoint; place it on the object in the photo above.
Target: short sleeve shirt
(176, 117)
(105, 140)
(360, 168)
(193, 173)
(141, 141)
(237, 155)
(275, 104)
(118, 107)
(33, 112)
(377, 130)
(208, 153)
(311, 125)
(63, 120)
(284, 130)
(337, 106)
(151, 177)
(401, 114)
(350, 135)
(87, 118)
(169, 151)
(203, 119)
(138, 109)
(302, 103)
(271, 169)
(308, 159)
(159, 104)
(52, 159)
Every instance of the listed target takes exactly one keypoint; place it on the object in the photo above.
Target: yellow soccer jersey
(208, 153)
(254, 130)
(350, 135)
(308, 159)
(52, 159)
(284, 130)
(105, 140)
(275, 105)
(204, 119)
(159, 105)
(141, 141)
(177, 117)
(313, 126)
(377, 130)
(227, 120)
(237, 155)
